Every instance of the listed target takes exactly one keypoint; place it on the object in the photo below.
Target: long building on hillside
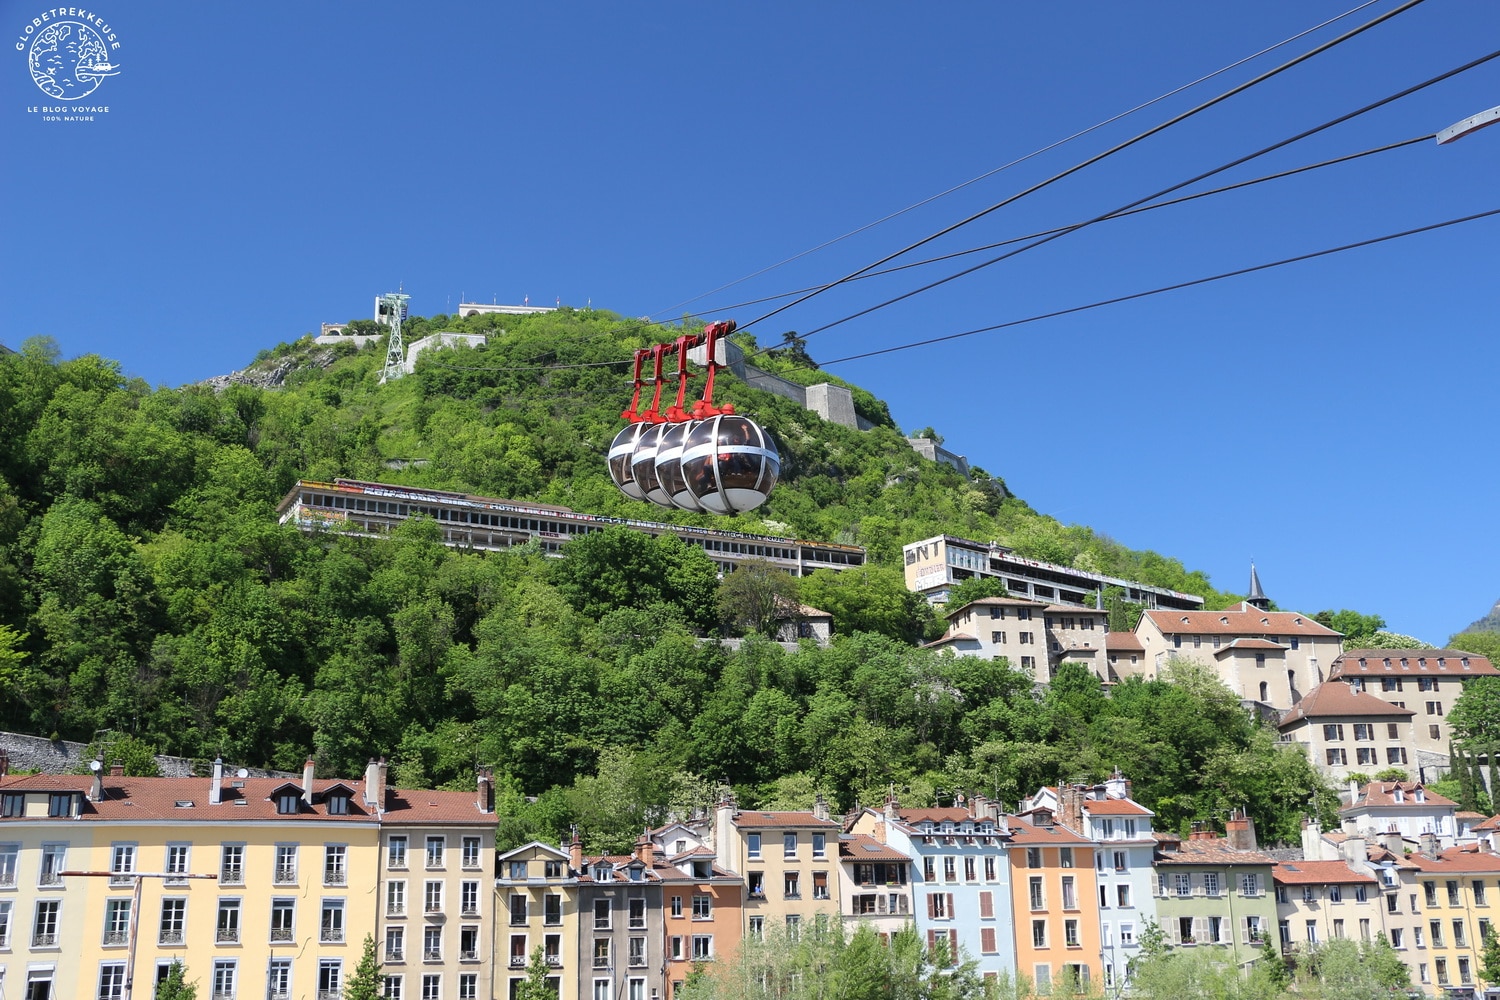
(488, 524)
(933, 565)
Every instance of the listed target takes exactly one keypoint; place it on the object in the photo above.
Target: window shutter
(987, 905)
(1200, 930)
(931, 909)
(987, 940)
(950, 912)
(931, 940)
(1172, 927)
(1244, 930)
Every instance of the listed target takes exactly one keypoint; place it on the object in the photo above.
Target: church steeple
(1257, 598)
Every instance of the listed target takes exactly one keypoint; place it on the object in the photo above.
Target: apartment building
(876, 884)
(1345, 730)
(1322, 901)
(1124, 851)
(435, 932)
(959, 867)
(1272, 658)
(621, 929)
(789, 860)
(1425, 681)
(704, 903)
(1459, 889)
(536, 894)
(261, 886)
(1054, 891)
(1215, 890)
(1407, 809)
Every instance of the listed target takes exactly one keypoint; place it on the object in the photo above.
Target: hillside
(146, 588)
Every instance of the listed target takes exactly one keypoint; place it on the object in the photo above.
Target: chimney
(820, 807)
(1116, 787)
(1394, 842)
(486, 790)
(1070, 807)
(1355, 851)
(96, 790)
(1353, 791)
(308, 770)
(892, 805)
(216, 784)
(979, 806)
(1427, 843)
(1312, 840)
(1201, 831)
(117, 770)
(724, 833)
(374, 793)
(4, 764)
(646, 851)
(1240, 831)
(575, 852)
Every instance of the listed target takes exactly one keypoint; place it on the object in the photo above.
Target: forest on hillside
(148, 594)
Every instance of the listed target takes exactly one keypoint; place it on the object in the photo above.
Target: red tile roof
(1493, 823)
(1317, 873)
(1242, 620)
(1210, 852)
(1127, 641)
(1025, 833)
(1337, 698)
(1419, 661)
(861, 847)
(420, 807)
(950, 637)
(1115, 807)
(950, 814)
(1252, 644)
(1457, 860)
(1383, 794)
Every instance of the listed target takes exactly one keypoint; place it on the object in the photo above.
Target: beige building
(1346, 730)
(1273, 658)
(1321, 901)
(790, 861)
(1033, 636)
(1427, 681)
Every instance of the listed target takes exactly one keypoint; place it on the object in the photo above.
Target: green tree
(1475, 715)
(175, 986)
(1489, 958)
(871, 599)
(367, 982)
(972, 589)
(536, 985)
(1273, 965)
(1486, 644)
(757, 597)
(1356, 628)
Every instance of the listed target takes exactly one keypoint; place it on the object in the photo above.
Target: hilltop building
(1036, 637)
(487, 308)
(1428, 681)
(1347, 731)
(933, 565)
(488, 524)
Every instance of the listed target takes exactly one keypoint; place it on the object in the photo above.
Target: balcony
(432, 955)
(286, 875)
(331, 935)
(120, 878)
(227, 935)
(175, 880)
(637, 961)
(169, 937)
(468, 956)
(518, 961)
(472, 910)
(221, 996)
(281, 935)
(232, 876)
(554, 961)
(44, 940)
(339, 877)
(395, 909)
(116, 937)
(435, 906)
(601, 961)
(7, 880)
(54, 878)
(395, 955)
(330, 995)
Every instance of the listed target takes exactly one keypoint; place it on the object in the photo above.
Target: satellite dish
(242, 773)
(94, 765)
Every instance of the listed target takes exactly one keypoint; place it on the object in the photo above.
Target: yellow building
(790, 861)
(536, 889)
(262, 887)
(1460, 890)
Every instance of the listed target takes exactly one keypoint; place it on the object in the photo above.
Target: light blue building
(961, 892)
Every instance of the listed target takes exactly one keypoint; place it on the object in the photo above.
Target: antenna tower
(393, 308)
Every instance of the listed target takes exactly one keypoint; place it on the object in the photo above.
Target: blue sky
(266, 168)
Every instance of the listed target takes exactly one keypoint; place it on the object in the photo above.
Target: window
(1366, 755)
(793, 889)
(1393, 730)
(432, 944)
(1333, 732)
(116, 921)
(1453, 897)
(470, 852)
(121, 864)
(395, 944)
(1210, 883)
(173, 918)
(1070, 933)
(227, 927)
(1120, 859)
(391, 988)
(752, 845)
(789, 845)
(223, 979)
(1463, 970)
(279, 980)
(1122, 895)
(1434, 708)
(330, 979)
(1478, 888)
(1429, 889)
(436, 847)
(8, 853)
(60, 804)
(331, 928)
(1335, 757)
(1182, 884)
(12, 805)
(987, 944)
(283, 916)
(635, 955)
(1249, 885)
(989, 868)
(601, 953)
(1026, 638)
(432, 896)
(334, 870)
(1037, 893)
(1397, 941)
(1066, 857)
(53, 857)
(338, 805)
(1069, 893)
(395, 853)
(395, 899)
(432, 986)
(468, 894)
(1033, 857)
(286, 864)
(1458, 934)
(554, 869)
(1436, 927)
(287, 803)
(997, 638)
(1039, 933)
(950, 869)
(703, 947)
(1127, 934)
(702, 909)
